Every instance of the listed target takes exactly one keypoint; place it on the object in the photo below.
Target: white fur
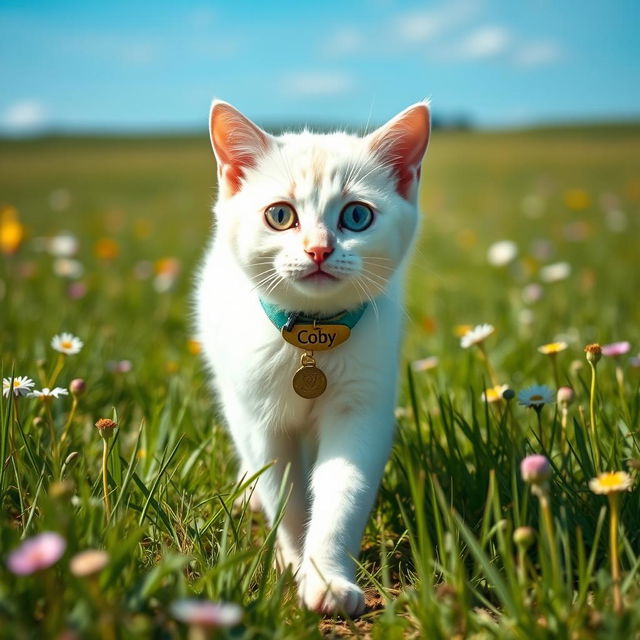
(337, 445)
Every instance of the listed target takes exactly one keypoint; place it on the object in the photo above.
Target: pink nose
(319, 254)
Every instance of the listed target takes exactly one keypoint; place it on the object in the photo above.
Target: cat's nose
(319, 254)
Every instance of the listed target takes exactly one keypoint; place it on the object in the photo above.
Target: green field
(438, 559)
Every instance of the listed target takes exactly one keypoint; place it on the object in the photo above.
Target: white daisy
(555, 272)
(501, 253)
(494, 394)
(67, 343)
(536, 396)
(22, 386)
(476, 335)
(49, 393)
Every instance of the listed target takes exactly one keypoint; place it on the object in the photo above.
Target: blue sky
(156, 65)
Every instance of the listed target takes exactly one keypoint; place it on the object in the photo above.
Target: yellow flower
(552, 348)
(194, 347)
(494, 394)
(611, 482)
(577, 199)
(461, 329)
(11, 231)
(106, 249)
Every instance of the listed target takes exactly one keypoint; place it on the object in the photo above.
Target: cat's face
(318, 222)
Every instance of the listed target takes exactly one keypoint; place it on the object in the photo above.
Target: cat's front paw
(331, 595)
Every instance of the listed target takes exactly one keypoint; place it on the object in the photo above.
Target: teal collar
(287, 319)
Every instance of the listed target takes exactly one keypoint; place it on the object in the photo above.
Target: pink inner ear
(236, 143)
(402, 143)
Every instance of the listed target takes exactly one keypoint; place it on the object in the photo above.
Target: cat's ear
(237, 144)
(401, 144)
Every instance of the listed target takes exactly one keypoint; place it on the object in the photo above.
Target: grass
(438, 558)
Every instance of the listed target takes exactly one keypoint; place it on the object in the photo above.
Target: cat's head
(318, 222)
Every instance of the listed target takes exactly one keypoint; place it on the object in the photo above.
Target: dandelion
(594, 353)
(47, 393)
(552, 349)
(21, 386)
(204, 613)
(611, 484)
(501, 253)
(495, 394)
(36, 553)
(536, 471)
(88, 563)
(67, 343)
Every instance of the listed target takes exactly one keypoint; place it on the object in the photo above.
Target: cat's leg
(353, 448)
(259, 446)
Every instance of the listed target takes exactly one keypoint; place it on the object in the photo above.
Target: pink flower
(535, 469)
(36, 553)
(565, 396)
(615, 349)
(205, 613)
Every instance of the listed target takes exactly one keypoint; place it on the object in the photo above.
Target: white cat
(319, 225)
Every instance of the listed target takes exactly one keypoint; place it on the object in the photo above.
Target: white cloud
(345, 41)
(24, 116)
(485, 42)
(200, 17)
(318, 83)
(425, 25)
(536, 54)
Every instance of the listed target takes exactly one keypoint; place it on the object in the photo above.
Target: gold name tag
(318, 337)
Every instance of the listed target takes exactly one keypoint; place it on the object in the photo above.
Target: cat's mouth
(318, 276)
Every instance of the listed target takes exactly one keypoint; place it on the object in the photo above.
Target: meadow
(100, 238)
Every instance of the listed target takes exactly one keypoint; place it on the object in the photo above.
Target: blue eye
(281, 216)
(356, 217)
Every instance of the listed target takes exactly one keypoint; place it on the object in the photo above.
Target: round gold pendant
(309, 381)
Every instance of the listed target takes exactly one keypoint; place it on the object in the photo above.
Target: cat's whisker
(369, 297)
(266, 280)
(379, 278)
